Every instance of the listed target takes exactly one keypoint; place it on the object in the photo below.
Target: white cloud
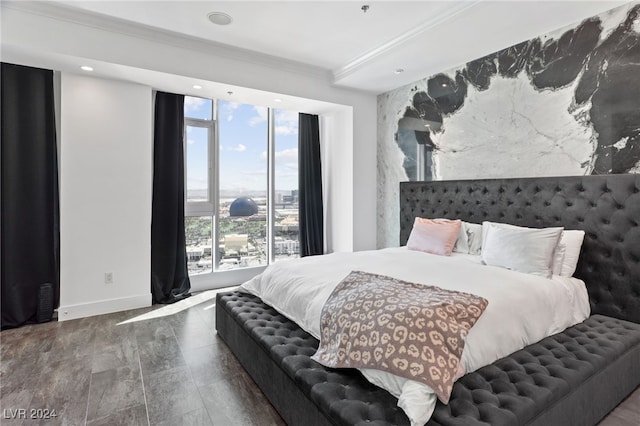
(283, 115)
(286, 123)
(254, 172)
(190, 141)
(197, 183)
(237, 148)
(229, 107)
(290, 154)
(260, 117)
(286, 130)
(192, 104)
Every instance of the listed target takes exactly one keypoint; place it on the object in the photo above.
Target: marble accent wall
(565, 103)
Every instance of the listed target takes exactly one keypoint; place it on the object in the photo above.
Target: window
(244, 138)
(286, 231)
(241, 171)
(198, 136)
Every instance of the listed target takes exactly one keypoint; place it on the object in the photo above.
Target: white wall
(363, 154)
(105, 195)
(337, 160)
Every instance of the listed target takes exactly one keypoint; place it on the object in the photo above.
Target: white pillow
(527, 250)
(474, 237)
(470, 239)
(571, 242)
(558, 257)
(462, 245)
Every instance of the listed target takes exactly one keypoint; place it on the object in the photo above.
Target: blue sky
(243, 146)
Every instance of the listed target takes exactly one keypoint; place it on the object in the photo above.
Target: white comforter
(523, 309)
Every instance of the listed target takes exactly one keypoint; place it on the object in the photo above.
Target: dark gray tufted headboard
(606, 207)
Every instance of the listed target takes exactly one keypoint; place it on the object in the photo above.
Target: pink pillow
(434, 236)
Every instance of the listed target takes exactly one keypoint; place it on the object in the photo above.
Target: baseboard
(82, 310)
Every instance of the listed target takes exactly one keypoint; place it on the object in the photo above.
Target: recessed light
(229, 93)
(220, 18)
(86, 68)
(195, 86)
(399, 71)
(277, 100)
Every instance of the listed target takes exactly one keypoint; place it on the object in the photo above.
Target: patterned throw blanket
(411, 330)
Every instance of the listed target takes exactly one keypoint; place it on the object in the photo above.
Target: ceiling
(360, 50)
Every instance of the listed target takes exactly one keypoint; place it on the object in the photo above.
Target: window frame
(201, 208)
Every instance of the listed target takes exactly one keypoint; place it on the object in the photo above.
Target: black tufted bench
(572, 378)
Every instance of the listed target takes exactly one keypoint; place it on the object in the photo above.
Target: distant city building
(288, 247)
(288, 224)
(194, 253)
(206, 264)
(290, 199)
(257, 218)
(235, 244)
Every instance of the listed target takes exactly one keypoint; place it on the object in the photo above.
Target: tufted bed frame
(572, 378)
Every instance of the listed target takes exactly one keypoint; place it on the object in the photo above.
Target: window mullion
(214, 157)
(271, 195)
(185, 169)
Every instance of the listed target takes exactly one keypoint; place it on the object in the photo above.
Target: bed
(573, 377)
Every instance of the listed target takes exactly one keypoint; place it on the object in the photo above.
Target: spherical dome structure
(243, 206)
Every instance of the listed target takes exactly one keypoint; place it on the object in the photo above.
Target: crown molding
(158, 35)
(395, 43)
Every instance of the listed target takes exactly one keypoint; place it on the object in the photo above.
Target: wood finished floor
(129, 369)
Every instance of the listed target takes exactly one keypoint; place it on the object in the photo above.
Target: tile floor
(162, 365)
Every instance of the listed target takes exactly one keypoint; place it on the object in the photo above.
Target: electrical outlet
(108, 277)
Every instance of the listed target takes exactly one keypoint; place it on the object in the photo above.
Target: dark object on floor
(45, 303)
(176, 296)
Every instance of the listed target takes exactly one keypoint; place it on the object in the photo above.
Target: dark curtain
(310, 186)
(30, 223)
(169, 275)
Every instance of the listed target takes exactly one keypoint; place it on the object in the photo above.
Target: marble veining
(564, 103)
